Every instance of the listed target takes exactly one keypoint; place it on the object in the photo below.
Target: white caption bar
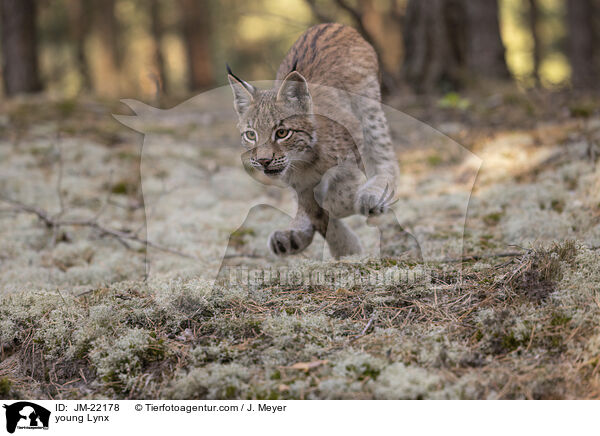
(299, 417)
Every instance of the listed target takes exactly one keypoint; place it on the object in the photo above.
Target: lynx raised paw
(284, 242)
(371, 201)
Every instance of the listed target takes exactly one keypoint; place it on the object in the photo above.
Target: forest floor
(502, 193)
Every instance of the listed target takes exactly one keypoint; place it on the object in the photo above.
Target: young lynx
(321, 130)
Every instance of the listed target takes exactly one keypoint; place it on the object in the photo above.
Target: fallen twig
(122, 236)
(55, 222)
(476, 257)
(248, 255)
(365, 330)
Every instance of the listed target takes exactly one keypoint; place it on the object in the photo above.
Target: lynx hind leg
(377, 152)
(341, 240)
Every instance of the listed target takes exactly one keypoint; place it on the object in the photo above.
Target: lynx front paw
(372, 201)
(284, 242)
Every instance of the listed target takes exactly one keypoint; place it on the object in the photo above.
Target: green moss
(238, 237)
(478, 336)
(581, 110)
(434, 160)
(128, 155)
(123, 187)
(487, 244)
(492, 219)
(559, 319)
(231, 392)
(119, 362)
(509, 342)
(160, 130)
(453, 100)
(555, 342)
(557, 205)
(5, 387)
(364, 371)
(66, 108)
(273, 395)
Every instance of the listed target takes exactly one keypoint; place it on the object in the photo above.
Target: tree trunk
(159, 60)
(364, 12)
(196, 33)
(584, 74)
(434, 46)
(106, 56)
(485, 51)
(19, 47)
(448, 41)
(79, 23)
(533, 24)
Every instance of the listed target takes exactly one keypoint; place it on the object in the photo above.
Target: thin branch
(130, 206)
(477, 257)
(119, 235)
(107, 200)
(248, 255)
(365, 330)
(41, 214)
(55, 222)
(59, 180)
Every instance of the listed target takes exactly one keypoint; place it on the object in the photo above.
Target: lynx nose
(265, 161)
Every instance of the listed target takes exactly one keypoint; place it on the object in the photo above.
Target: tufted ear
(294, 90)
(243, 93)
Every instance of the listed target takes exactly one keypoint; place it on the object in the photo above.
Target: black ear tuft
(243, 93)
(295, 67)
(234, 76)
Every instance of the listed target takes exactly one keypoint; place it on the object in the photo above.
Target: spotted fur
(322, 131)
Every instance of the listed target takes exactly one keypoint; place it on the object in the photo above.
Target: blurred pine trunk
(79, 24)
(583, 44)
(19, 47)
(484, 48)
(196, 33)
(533, 28)
(105, 48)
(450, 42)
(156, 29)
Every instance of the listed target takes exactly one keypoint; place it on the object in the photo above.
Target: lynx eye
(282, 133)
(250, 136)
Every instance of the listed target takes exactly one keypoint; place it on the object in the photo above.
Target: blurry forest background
(155, 49)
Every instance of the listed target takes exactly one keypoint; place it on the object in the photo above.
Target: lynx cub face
(278, 127)
(290, 134)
